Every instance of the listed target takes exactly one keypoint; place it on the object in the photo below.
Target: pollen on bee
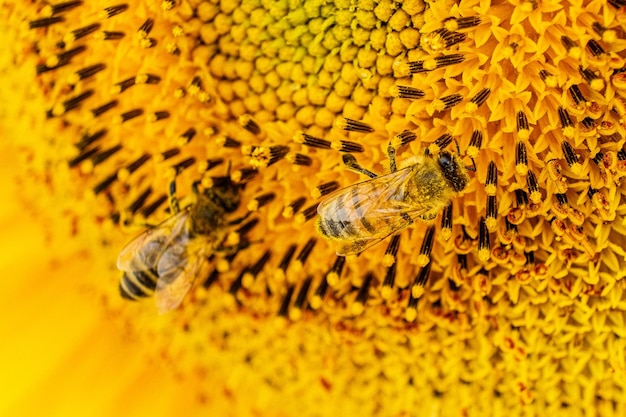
(306, 214)
(352, 125)
(566, 123)
(292, 208)
(484, 245)
(404, 91)
(521, 158)
(427, 246)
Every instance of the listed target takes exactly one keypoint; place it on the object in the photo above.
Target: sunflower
(508, 302)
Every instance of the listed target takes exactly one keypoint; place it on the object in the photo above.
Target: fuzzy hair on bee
(166, 259)
(363, 214)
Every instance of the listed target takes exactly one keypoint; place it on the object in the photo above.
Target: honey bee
(167, 258)
(361, 215)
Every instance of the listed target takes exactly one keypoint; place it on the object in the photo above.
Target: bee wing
(379, 202)
(143, 252)
(177, 270)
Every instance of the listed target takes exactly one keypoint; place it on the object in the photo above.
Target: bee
(361, 215)
(167, 258)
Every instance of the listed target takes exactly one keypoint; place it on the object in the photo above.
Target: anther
(53, 9)
(363, 294)
(533, 188)
(389, 281)
(184, 164)
(104, 184)
(88, 139)
(311, 141)
(452, 23)
(403, 91)
(125, 172)
(347, 146)
(121, 86)
(247, 122)
(245, 228)
(139, 201)
(280, 273)
(145, 29)
(301, 298)
(389, 258)
(86, 72)
(81, 33)
(481, 97)
(403, 138)
(299, 159)
(596, 83)
(69, 104)
(151, 208)
(566, 123)
(521, 158)
(447, 102)
(446, 222)
(316, 300)
(260, 201)
(491, 184)
(352, 125)
(334, 273)
(492, 213)
(304, 253)
(158, 115)
(570, 156)
(475, 144)
(146, 78)
(549, 79)
(417, 289)
(427, 246)
(484, 245)
(306, 214)
(416, 67)
(83, 156)
(577, 95)
(109, 12)
(112, 35)
(129, 115)
(45, 22)
(227, 142)
(324, 189)
(595, 48)
(293, 207)
(284, 306)
(252, 272)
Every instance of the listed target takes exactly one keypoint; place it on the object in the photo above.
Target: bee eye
(445, 161)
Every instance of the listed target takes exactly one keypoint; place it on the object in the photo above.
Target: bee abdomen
(138, 284)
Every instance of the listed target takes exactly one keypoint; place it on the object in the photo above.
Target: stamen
(299, 159)
(334, 273)
(87, 139)
(146, 212)
(324, 189)
(139, 201)
(479, 99)
(109, 12)
(70, 104)
(521, 159)
(82, 157)
(427, 246)
(227, 142)
(595, 48)
(247, 122)
(577, 95)
(491, 184)
(566, 123)
(352, 125)
(484, 245)
(403, 138)
(104, 184)
(260, 201)
(549, 79)
(284, 306)
(533, 188)
(446, 222)
(293, 207)
(307, 214)
(80, 33)
(295, 313)
(404, 91)
(363, 294)
(304, 254)
(416, 67)
(346, 146)
(389, 258)
(311, 141)
(145, 29)
(318, 297)
(129, 115)
(45, 22)
(252, 272)
(183, 165)
(279, 274)
(112, 35)
(453, 24)
(492, 213)
(417, 289)
(244, 174)
(447, 102)
(388, 283)
(475, 143)
(596, 83)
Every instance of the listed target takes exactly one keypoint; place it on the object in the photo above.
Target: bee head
(453, 170)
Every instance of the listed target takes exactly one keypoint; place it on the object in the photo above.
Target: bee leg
(174, 205)
(473, 167)
(352, 164)
(391, 152)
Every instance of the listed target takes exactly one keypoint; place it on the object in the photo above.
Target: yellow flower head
(508, 301)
